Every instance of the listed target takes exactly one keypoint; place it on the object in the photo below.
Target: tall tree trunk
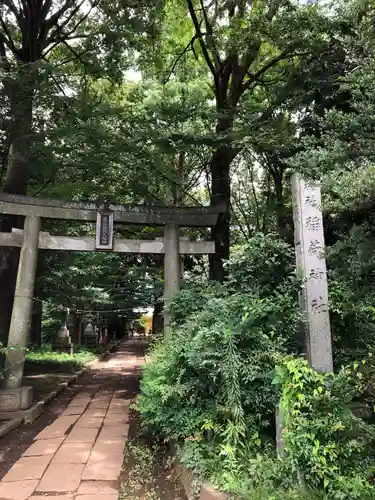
(277, 176)
(21, 91)
(283, 217)
(220, 195)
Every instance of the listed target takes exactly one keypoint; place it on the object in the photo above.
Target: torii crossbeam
(105, 215)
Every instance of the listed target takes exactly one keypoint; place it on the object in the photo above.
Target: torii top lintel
(152, 215)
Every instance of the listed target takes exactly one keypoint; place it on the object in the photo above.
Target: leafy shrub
(261, 265)
(209, 385)
(352, 299)
(212, 387)
(326, 444)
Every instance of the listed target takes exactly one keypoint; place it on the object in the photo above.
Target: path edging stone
(30, 415)
(187, 480)
(10, 425)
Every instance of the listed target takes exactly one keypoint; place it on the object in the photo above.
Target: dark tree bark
(220, 196)
(38, 27)
(21, 90)
(232, 78)
(36, 324)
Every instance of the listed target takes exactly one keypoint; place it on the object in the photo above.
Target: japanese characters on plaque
(104, 230)
(311, 264)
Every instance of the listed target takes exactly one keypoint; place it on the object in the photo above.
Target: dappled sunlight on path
(79, 454)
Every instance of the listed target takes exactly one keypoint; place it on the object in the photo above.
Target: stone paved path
(80, 454)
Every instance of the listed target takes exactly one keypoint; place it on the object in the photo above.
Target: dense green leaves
(329, 447)
(209, 382)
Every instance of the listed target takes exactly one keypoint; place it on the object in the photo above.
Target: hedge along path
(79, 455)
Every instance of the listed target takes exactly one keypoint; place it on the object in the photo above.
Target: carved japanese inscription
(311, 264)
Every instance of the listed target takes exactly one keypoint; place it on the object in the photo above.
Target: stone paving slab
(80, 399)
(98, 405)
(113, 496)
(105, 447)
(80, 455)
(74, 410)
(19, 490)
(97, 488)
(98, 413)
(58, 497)
(82, 435)
(71, 453)
(114, 431)
(89, 421)
(44, 447)
(102, 397)
(107, 469)
(116, 419)
(116, 410)
(28, 468)
(61, 478)
(59, 427)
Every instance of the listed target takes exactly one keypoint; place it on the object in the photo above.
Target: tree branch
(3, 54)
(76, 54)
(8, 39)
(44, 10)
(179, 57)
(12, 8)
(200, 37)
(67, 61)
(209, 37)
(72, 14)
(55, 17)
(268, 65)
(58, 35)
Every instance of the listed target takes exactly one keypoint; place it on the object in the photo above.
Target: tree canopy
(204, 102)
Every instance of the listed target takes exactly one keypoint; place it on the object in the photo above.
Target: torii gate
(16, 397)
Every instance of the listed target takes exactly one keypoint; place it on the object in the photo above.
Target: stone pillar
(15, 397)
(182, 262)
(63, 342)
(80, 329)
(311, 264)
(171, 269)
(90, 338)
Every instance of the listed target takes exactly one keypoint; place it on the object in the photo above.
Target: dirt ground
(148, 471)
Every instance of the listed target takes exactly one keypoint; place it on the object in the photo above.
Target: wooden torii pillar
(16, 397)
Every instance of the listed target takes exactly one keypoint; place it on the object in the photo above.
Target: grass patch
(45, 360)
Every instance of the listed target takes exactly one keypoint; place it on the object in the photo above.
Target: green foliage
(327, 446)
(261, 265)
(212, 387)
(209, 384)
(251, 91)
(352, 299)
